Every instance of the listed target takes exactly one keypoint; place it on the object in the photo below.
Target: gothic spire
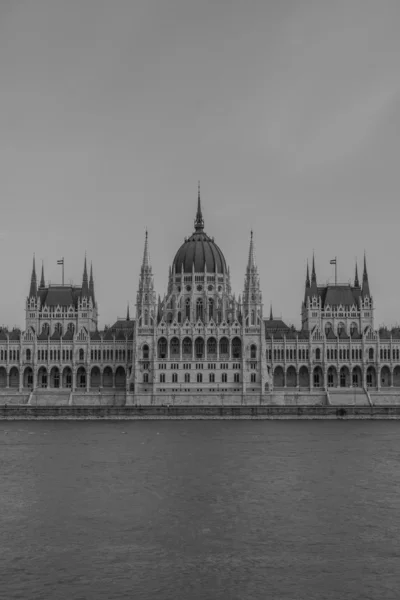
(85, 284)
(313, 275)
(251, 263)
(308, 276)
(146, 257)
(271, 318)
(42, 282)
(356, 282)
(365, 283)
(91, 283)
(199, 221)
(127, 313)
(33, 288)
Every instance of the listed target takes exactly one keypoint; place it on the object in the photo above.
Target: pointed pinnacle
(42, 282)
(199, 221)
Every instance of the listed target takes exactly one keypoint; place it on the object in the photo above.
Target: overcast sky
(287, 111)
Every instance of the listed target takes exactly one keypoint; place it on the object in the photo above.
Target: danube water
(188, 510)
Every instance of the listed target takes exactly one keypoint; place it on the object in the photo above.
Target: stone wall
(197, 412)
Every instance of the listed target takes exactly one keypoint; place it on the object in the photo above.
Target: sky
(286, 111)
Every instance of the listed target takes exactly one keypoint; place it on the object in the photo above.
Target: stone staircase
(348, 397)
(49, 397)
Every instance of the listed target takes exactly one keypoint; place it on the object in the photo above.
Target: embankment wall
(29, 412)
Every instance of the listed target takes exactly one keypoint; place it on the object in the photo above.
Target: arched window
(340, 328)
(199, 309)
(210, 309)
(318, 354)
(224, 378)
(353, 328)
(28, 354)
(45, 328)
(211, 346)
(169, 318)
(174, 377)
(58, 328)
(145, 378)
(187, 309)
(223, 345)
(253, 378)
(328, 328)
(81, 354)
(71, 328)
(174, 347)
(236, 378)
(162, 348)
(145, 352)
(253, 351)
(253, 318)
(187, 347)
(236, 348)
(199, 347)
(199, 378)
(371, 354)
(179, 317)
(212, 377)
(187, 377)
(146, 318)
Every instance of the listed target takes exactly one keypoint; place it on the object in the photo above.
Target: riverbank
(26, 412)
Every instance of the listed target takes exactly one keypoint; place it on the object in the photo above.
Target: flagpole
(335, 270)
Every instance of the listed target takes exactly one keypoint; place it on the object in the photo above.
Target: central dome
(199, 251)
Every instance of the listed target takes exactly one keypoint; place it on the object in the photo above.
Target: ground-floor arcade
(67, 377)
(332, 376)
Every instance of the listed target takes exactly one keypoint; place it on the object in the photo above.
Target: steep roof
(272, 325)
(95, 336)
(59, 295)
(68, 335)
(125, 324)
(336, 295)
(3, 334)
(330, 335)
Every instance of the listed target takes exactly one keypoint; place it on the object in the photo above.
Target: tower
(146, 296)
(252, 298)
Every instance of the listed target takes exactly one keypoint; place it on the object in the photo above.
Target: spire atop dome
(33, 288)
(199, 221)
(42, 282)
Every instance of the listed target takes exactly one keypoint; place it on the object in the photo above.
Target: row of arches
(56, 378)
(198, 349)
(334, 378)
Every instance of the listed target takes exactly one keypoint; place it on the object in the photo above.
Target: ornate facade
(200, 338)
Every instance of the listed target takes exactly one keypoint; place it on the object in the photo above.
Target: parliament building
(200, 338)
